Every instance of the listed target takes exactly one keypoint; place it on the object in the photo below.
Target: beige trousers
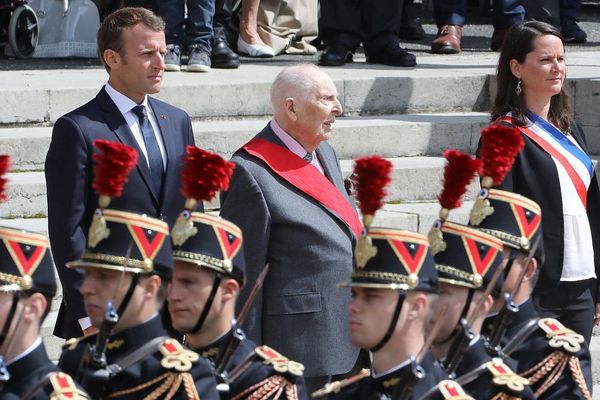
(288, 26)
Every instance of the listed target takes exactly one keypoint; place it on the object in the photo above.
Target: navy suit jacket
(72, 201)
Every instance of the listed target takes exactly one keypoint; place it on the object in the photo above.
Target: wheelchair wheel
(23, 31)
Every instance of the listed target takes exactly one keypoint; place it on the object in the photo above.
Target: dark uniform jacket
(147, 371)
(258, 375)
(389, 386)
(29, 372)
(535, 348)
(481, 385)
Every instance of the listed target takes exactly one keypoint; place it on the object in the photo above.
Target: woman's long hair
(517, 44)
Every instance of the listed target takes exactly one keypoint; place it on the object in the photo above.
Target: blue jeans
(198, 26)
(452, 12)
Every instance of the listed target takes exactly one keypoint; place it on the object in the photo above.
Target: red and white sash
(574, 168)
(305, 177)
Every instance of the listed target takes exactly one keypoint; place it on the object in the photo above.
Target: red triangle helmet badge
(26, 260)
(481, 255)
(148, 241)
(230, 243)
(528, 224)
(411, 254)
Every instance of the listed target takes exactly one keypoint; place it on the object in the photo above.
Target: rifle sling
(136, 356)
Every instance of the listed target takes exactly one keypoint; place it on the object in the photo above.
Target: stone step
(413, 179)
(388, 136)
(244, 92)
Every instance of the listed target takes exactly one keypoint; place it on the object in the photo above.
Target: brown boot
(447, 40)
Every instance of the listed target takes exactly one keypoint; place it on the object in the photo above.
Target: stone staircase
(407, 115)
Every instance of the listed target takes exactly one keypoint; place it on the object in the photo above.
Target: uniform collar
(475, 356)
(32, 360)
(214, 349)
(135, 336)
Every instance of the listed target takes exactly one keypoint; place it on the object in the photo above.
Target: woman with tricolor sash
(555, 170)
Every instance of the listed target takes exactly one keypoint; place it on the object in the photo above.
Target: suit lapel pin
(163, 116)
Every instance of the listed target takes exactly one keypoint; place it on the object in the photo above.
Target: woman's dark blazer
(535, 176)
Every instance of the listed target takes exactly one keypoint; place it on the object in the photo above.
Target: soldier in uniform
(549, 346)
(208, 274)
(126, 265)
(466, 262)
(394, 288)
(27, 286)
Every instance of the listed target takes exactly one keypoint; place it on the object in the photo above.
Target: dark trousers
(552, 11)
(452, 12)
(198, 26)
(572, 303)
(350, 22)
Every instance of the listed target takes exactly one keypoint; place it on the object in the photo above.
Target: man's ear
(34, 307)
(112, 58)
(531, 269)
(418, 306)
(151, 286)
(290, 109)
(230, 289)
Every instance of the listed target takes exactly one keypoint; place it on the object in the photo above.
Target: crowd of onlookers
(211, 33)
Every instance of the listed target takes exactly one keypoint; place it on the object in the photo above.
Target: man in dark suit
(287, 195)
(131, 43)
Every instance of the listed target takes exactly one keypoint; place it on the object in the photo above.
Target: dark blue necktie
(154, 157)
(308, 157)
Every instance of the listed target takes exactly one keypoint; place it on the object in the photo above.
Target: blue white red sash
(561, 141)
(305, 177)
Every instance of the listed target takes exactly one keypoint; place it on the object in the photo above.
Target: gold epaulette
(176, 357)
(64, 388)
(268, 388)
(504, 376)
(567, 344)
(280, 363)
(335, 387)
(561, 337)
(451, 390)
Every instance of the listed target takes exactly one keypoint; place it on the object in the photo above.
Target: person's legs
(506, 14)
(574, 308)
(571, 31)
(341, 30)
(450, 18)
(380, 33)
(222, 56)
(173, 13)
(199, 24)
(248, 18)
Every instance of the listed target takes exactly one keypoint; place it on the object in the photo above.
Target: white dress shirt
(125, 105)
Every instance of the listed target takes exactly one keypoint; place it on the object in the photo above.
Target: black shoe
(222, 56)
(391, 54)
(335, 55)
(571, 32)
(411, 29)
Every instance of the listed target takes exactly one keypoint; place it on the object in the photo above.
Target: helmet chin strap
(9, 317)
(463, 314)
(208, 304)
(392, 325)
(125, 302)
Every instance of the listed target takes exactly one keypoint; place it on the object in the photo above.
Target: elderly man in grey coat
(288, 197)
